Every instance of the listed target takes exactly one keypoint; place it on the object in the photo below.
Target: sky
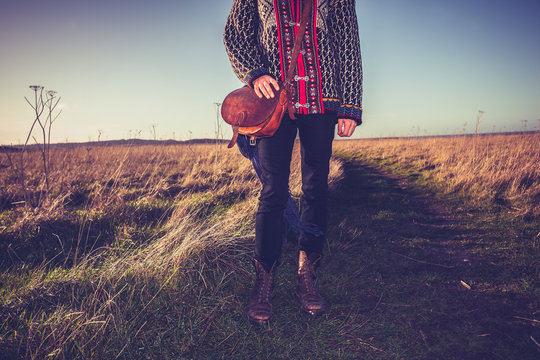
(125, 69)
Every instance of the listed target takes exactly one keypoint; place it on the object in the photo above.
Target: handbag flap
(243, 107)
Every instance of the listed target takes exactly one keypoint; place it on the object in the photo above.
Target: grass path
(406, 276)
(414, 251)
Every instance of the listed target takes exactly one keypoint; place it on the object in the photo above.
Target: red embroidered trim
(307, 90)
(301, 69)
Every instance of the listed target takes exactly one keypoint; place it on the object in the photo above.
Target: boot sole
(259, 322)
(313, 313)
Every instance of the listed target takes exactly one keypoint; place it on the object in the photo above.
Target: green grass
(397, 254)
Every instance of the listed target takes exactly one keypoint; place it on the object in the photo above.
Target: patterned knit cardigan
(259, 36)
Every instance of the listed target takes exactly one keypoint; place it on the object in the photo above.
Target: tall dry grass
(496, 168)
(105, 297)
(101, 177)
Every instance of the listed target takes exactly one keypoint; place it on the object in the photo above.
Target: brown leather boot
(306, 290)
(259, 309)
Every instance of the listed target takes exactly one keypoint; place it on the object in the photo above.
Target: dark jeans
(316, 134)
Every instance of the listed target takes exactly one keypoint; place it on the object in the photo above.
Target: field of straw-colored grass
(205, 197)
(175, 212)
(503, 169)
(102, 177)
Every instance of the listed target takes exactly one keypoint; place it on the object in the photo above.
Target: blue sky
(122, 66)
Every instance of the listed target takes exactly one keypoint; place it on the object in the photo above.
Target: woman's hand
(346, 127)
(262, 86)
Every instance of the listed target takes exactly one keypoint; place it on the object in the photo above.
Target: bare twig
(39, 106)
(372, 347)
(38, 110)
(536, 342)
(531, 320)
(423, 262)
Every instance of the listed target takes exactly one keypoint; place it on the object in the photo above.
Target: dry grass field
(143, 252)
(503, 169)
(101, 177)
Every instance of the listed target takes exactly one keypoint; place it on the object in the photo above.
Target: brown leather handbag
(260, 117)
(250, 115)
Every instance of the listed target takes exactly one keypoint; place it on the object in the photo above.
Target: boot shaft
(259, 309)
(264, 282)
(308, 264)
(306, 290)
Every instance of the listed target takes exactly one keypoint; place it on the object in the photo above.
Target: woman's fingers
(274, 83)
(257, 91)
(262, 86)
(267, 90)
(346, 127)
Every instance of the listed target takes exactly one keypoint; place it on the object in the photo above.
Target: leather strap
(306, 13)
(234, 138)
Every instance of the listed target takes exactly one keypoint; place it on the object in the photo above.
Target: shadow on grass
(413, 277)
(61, 242)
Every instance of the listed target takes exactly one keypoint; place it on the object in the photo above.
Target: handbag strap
(298, 41)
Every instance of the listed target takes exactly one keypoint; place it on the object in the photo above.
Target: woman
(259, 37)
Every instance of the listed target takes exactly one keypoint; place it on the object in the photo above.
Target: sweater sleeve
(344, 25)
(240, 39)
